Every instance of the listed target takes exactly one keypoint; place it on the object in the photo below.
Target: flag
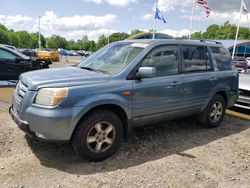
(205, 5)
(244, 8)
(159, 16)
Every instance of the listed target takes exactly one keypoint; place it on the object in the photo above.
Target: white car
(248, 62)
(244, 91)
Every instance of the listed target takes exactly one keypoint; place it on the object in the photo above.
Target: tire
(214, 113)
(98, 135)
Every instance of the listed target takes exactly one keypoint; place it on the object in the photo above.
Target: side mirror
(146, 72)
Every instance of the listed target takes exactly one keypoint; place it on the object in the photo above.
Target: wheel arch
(116, 109)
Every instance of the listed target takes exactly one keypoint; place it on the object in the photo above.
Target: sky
(77, 18)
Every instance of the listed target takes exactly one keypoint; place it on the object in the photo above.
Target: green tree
(23, 38)
(118, 36)
(55, 42)
(4, 39)
(135, 31)
(102, 41)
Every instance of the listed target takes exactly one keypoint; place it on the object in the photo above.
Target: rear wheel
(98, 135)
(214, 113)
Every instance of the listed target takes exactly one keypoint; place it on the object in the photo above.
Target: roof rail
(201, 40)
(206, 40)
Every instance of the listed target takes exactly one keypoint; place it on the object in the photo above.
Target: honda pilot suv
(126, 84)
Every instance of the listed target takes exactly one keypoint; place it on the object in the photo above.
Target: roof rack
(201, 40)
(205, 40)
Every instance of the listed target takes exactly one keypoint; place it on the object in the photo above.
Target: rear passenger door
(199, 81)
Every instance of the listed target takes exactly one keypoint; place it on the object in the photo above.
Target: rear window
(223, 58)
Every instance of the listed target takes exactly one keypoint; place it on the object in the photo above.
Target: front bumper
(23, 125)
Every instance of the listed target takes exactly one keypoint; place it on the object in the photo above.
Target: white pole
(191, 23)
(154, 29)
(237, 32)
(155, 21)
(39, 36)
(108, 35)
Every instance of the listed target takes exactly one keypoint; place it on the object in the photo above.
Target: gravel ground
(173, 154)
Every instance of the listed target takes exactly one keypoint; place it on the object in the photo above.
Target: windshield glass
(113, 58)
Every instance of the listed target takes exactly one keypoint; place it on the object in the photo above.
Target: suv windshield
(113, 58)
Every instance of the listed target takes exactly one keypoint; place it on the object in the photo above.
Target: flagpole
(154, 29)
(155, 21)
(191, 23)
(237, 32)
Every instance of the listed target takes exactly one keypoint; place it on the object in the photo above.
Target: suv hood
(61, 77)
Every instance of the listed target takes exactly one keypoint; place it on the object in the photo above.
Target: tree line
(224, 31)
(24, 39)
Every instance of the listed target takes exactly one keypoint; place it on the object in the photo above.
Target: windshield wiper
(94, 70)
(88, 68)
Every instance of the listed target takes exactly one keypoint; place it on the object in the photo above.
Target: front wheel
(98, 135)
(214, 113)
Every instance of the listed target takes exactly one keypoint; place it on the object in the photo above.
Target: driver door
(158, 97)
(10, 69)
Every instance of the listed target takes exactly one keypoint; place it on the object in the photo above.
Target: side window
(6, 55)
(223, 58)
(196, 58)
(165, 60)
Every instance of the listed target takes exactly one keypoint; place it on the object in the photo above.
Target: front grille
(244, 92)
(20, 91)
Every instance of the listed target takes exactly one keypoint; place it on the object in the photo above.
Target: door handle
(176, 83)
(212, 79)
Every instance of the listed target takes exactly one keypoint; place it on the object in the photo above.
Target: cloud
(220, 17)
(11, 21)
(166, 5)
(176, 33)
(120, 3)
(146, 17)
(74, 27)
(227, 6)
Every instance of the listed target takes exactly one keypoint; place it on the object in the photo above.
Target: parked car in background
(13, 63)
(240, 64)
(33, 55)
(8, 46)
(48, 56)
(244, 90)
(28, 52)
(248, 62)
(126, 84)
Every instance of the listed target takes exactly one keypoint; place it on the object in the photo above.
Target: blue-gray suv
(125, 84)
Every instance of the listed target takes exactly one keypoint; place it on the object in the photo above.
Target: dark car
(28, 52)
(13, 63)
(240, 64)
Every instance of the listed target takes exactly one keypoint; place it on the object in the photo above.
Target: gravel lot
(174, 154)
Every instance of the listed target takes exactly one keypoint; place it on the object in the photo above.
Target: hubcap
(216, 111)
(101, 137)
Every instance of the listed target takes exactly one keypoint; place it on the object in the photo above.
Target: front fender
(98, 100)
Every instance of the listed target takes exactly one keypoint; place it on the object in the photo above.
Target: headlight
(51, 96)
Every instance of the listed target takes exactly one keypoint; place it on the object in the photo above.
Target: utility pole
(39, 27)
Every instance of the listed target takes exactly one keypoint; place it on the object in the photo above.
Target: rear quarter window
(223, 58)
